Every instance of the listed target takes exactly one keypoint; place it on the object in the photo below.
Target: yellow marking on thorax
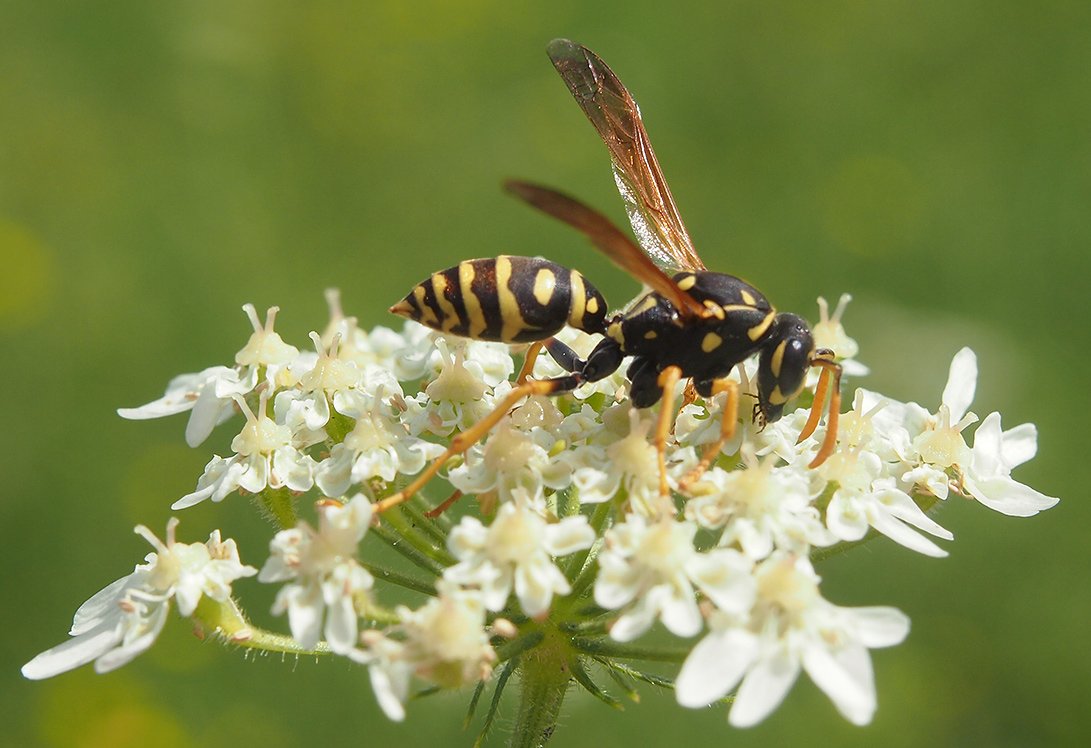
(470, 301)
(427, 316)
(717, 311)
(651, 335)
(439, 288)
(778, 358)
(755, 332)
(614, 332)
(510, 313)
(688, 282)
(578, 300)
(593, 305)
(544, 283)
(711, 342)
(747, 297)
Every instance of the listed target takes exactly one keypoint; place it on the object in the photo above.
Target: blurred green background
(163, 163)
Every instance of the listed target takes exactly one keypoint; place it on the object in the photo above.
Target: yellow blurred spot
(873, 206)
(84, 710)
(26, 276)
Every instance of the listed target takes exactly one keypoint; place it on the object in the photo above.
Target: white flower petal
(903, 535)
(391, 687)
(639, 617)
(102, 605)
(333, 475)
(304, 612)
(845, 517)
(209, 411)
(1019, 444)
(763, 688)
(714, 666)
(89, 645)
(961, 384)
(846, 678)
(341, 625)
(569, 535)
(724, 575)
(987, 460)
(130, 648)
(878, 626)
(680, 613)
(1009, 497)
(902, 506)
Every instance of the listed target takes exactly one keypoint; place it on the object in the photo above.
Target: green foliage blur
(163, 163)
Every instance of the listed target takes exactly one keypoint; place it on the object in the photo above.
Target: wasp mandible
(694, 324)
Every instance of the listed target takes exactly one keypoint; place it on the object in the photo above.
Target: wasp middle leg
(728, 420)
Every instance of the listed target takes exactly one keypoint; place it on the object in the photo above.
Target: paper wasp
(695, 324)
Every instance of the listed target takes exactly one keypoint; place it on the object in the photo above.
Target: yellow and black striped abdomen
(507, 299)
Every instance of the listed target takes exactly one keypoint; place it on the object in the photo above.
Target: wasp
(691, 323)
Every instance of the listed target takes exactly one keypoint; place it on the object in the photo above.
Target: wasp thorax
(782, 368)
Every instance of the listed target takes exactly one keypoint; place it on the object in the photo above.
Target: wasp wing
(616, 116)
(608, 238)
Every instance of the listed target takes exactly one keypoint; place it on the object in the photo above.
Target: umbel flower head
(556, 551)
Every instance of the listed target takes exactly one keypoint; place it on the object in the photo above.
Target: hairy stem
(545, 674)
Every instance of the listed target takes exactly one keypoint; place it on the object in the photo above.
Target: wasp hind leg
(528, 362)
(466, 439)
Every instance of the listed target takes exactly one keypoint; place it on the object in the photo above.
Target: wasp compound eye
(783, 365)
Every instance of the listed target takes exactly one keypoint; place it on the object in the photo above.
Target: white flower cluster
(123, 619)
(557, 477)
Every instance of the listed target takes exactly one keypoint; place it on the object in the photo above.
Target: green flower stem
(609, 648)
(516, 647)
(591, 626)
(545, 676)
(494, 705)
(579, 672)
(227, 622)
(405, 527)
(398, 544)
(581, 568)
(652, 678)
(423, 524)
(279, 504)
(402, 580)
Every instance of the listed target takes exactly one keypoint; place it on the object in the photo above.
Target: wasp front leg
(831, 372)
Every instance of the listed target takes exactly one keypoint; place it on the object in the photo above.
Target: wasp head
(783, 366)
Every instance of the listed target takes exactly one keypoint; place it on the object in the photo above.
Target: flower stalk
(545, 677)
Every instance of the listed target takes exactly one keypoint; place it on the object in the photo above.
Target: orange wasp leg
(528, 362)
(668, 378)
(444, 505)
(476, 433)
(728, 419)
(831, 371)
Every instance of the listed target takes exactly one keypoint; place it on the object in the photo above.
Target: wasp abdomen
(508, 299)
